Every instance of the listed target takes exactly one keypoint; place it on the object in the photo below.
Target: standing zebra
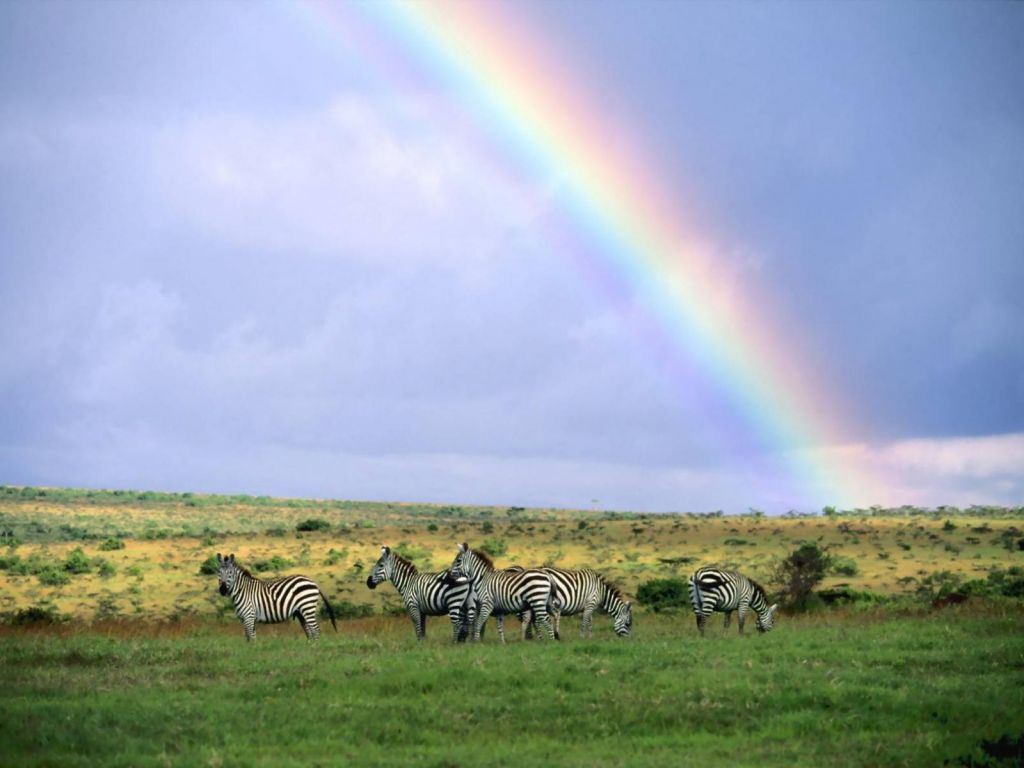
(273, 600)
(712, 589)
(425, 594)
(504, 592)
(585, 591)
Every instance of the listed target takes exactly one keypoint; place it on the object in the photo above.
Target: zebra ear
(463, 547)
(231, 557)
(384, 549)
(219, 558)
(774, 608)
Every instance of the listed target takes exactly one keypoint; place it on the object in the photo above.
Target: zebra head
(227, 573)
(381, 570)
(766, 620)
(469, 564)
(623, 621)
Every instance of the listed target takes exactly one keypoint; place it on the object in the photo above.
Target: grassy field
(873, 688)
(115, 649)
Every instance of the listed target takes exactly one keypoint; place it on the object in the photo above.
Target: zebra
(712, 589)
(585, 591)
(504, 592)
(426, 594)
(273, 600)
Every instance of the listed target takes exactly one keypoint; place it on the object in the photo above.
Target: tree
(800, 572)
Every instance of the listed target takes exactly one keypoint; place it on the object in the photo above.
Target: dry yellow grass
(157, 573)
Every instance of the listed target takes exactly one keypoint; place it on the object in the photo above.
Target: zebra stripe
(585, 592)
(425, 594)
(504, 592)
(273, 600)
(712, 589)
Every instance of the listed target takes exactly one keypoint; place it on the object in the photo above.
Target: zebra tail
(695, 597)
(330, 611)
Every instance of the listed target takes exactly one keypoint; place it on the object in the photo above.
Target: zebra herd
(472, 589)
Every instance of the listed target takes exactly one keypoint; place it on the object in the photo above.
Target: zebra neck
(402, 575)
(612, 601)
(759, 603)
(478, 571)
(242, 583)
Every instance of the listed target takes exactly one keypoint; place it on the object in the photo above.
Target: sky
(320, 250)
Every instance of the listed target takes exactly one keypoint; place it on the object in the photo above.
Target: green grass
(842, 688)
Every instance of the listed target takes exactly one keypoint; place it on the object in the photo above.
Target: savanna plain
(116, 648)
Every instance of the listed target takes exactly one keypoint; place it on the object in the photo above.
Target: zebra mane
(404, 561)
(243, 569)
(759, 589)
(613, 589)
(485, 558)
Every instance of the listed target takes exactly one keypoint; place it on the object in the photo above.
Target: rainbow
(635, 233)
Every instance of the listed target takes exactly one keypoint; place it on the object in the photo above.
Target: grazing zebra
(273, 600)
(426, 594)
(585, 591)
(504, 592)
(712, 589)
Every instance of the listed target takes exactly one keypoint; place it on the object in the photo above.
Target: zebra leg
(249, 622)
(414, 617)
(481, 618)
(423, 626)
(540, 619)
(501, 627)
(742, 615)
(587, 622)
(526, 617)
(728, 621)
(702, 619)
(458, 625)
(309, 623)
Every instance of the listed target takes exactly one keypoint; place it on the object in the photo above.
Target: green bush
(664, 594)
(276, 563)
(37, 614)
(313, 524)
(77, 562)
(1008, 583)
(845, 566)
(209, 566)
(111, 544)
(52, 577)
(495, 547)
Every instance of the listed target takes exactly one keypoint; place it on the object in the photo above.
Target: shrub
(37, 614)
(495, 547)
(664, 594)
(313, 524)
(77, 562)
(276, 563)
(843, 595)
(209, 566)
(845, 566)
(111, 544)
(1008, 583)
(949, 526)
(52, 577)
(800, 572)
(9, 562)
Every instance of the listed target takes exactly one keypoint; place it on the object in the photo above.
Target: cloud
(930, 472)
(361, 181)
